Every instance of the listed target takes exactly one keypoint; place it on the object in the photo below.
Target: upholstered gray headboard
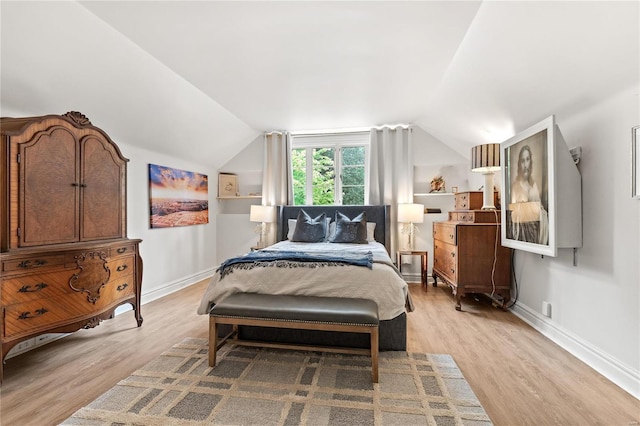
(377, 214)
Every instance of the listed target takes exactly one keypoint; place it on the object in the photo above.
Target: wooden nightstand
(423, 263)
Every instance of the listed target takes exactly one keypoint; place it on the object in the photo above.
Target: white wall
(236, 235)
(596, 304)
(173, 257)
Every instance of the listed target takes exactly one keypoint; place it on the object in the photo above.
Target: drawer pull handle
(453, 271)
(122, 286)
(453, 254)
(451, 236)
(36, 264)
(27, 315)
(122, 268)
(27, 288)
(121, 250)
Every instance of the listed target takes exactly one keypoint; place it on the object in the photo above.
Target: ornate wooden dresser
(66, 262)
(467, 254)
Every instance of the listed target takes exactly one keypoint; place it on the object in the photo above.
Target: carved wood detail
(94, 274)
(92, 323)
(78, 118)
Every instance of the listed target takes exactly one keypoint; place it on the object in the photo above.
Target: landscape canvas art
(177, 197)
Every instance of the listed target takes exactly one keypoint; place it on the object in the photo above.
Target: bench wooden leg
(374, 354)
(213, 341)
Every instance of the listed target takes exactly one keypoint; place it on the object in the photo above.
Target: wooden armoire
(65, 257)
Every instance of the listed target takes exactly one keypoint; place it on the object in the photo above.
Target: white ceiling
(200, 80)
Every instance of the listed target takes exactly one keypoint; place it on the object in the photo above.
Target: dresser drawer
(33, 315)
(36, 262)
(121, 267)
(123, 250)
(467, 216)
(117, 290)
(445, 231)
(445, 260)
(475, 216)
(30, 316)
(35, 286)
(468, 200)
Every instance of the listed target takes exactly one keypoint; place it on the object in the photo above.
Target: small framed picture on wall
(227, 185)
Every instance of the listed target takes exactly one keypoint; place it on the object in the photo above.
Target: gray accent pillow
(350, 230)
(310, 230)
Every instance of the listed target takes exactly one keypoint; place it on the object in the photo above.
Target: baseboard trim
(176, 285)
(613, 369)
(167, 289)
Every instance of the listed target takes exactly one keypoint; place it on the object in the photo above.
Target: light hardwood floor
(520, 377)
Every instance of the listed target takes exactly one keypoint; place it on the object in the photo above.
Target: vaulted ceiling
(200, 80)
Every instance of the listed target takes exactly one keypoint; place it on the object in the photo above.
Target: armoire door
(102, 190)
(49, 188)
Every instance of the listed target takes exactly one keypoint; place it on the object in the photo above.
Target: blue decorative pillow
(308, 229)
(350, 230)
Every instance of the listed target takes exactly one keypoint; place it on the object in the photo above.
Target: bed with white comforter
(382, 283)
(379, 281)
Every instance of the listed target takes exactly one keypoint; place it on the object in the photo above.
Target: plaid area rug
(251, 386)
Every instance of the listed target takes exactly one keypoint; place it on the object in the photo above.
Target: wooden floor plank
(519, 376)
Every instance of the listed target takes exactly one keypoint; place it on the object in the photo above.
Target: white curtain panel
(277, 187)
(391, 172)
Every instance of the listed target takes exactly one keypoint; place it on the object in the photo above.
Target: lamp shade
(410, 213)
(485, 158)
(262, 214)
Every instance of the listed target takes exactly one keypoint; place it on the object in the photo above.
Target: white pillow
(371, 228)
(292, 228)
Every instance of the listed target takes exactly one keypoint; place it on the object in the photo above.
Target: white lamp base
(487, 196)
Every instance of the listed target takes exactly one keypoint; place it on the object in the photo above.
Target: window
(330, 169)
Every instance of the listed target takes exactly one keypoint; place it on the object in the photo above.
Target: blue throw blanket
(288, 259)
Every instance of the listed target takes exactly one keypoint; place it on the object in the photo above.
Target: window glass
(330, 169)
(324, 176)
(353, 175)
(299, 168)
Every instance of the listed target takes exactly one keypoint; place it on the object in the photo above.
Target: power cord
(515, 280)
(495, 257)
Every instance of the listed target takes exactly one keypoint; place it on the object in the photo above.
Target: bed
(379, 280)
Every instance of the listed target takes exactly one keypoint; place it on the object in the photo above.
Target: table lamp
(486, 159)
(264, 215)
(411, 213)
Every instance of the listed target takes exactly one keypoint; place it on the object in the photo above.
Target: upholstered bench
(299, 312)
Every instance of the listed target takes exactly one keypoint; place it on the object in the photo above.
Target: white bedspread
(382, 283)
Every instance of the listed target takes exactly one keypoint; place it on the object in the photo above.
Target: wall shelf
(432, 194)
(240, 197)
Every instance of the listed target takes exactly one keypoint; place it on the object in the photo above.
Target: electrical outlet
(546, 309)
(43, 338)
(23, 346)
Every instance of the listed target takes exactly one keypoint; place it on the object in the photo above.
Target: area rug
(251, 386)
